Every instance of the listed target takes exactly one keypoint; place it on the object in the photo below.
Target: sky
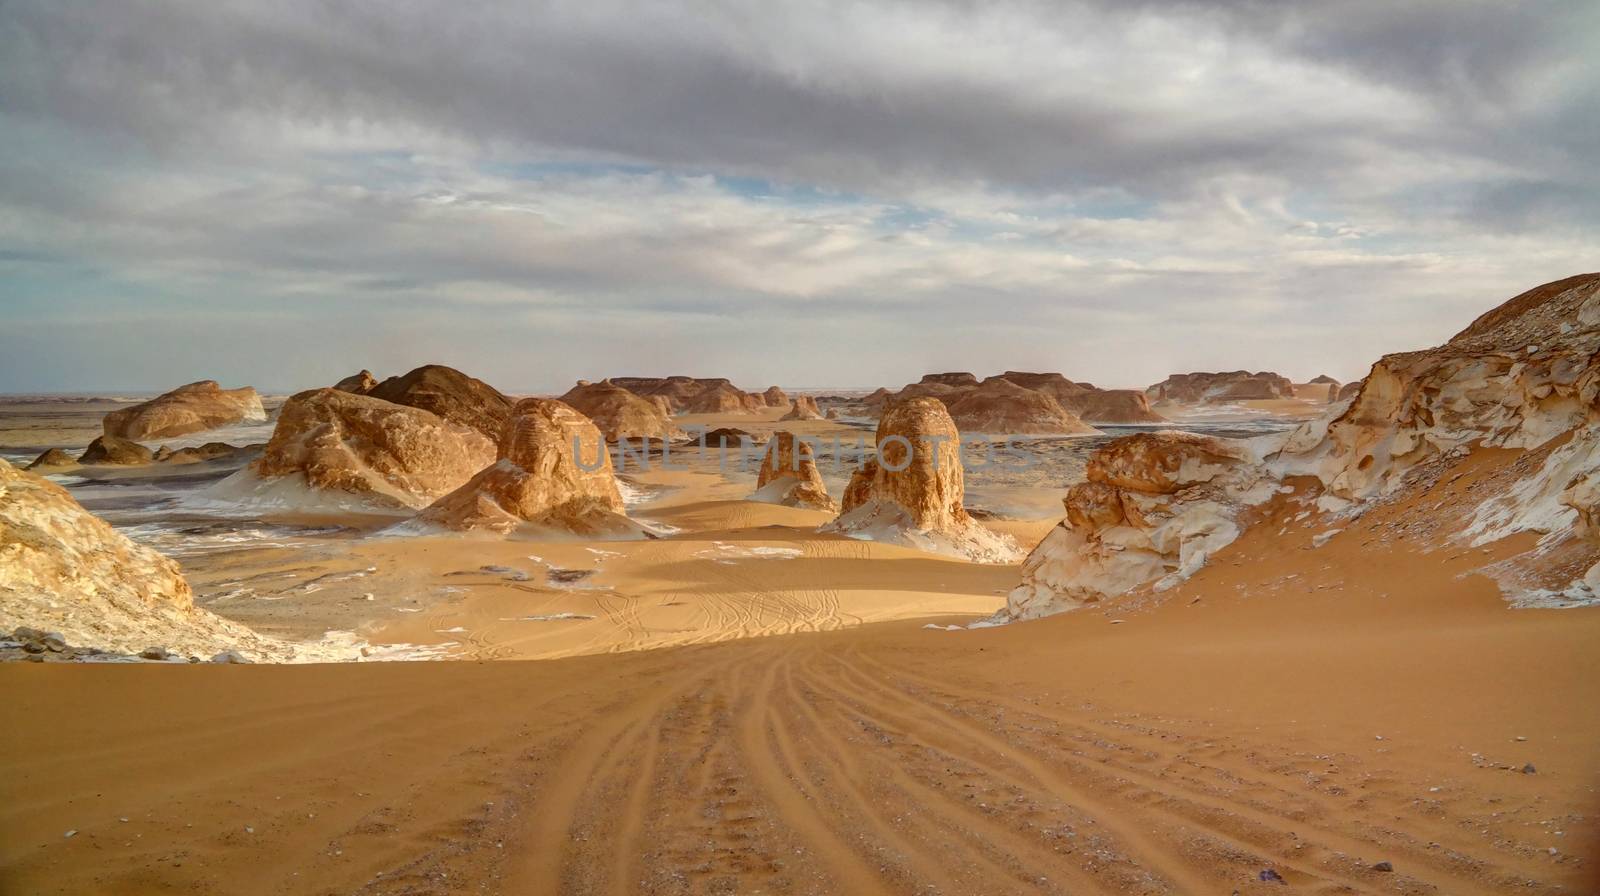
(830, 193)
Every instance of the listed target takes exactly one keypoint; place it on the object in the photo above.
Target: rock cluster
(552, 474)
(789, 476)
(987, 406)
(911, 493)
(1154, 507)
(619, 413)
(389, 455)
(1233, 385)
(193, 408)
(697, 395)
(66, 572)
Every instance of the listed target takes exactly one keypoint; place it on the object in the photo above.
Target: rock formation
(789, 476)
(619, 413)
(359, 383)
(553, 475)
(1207, 388)
(833, 414)
(53, 458)
(775, 397)
(450, 394)
(723, 437)
(1349, 390)
(911, 493)
(959, 380)
(193, 408)
(723, 398)
(681, 393)
(1112, 406)
(805, 408)
(1154, 508)
(196, 454)
(112, 450)
(1322, 379)
(999, 406)
(385, 454)
(64, 570)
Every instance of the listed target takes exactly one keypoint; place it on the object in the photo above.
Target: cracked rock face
(789, 476)
(553, 474)
(912, 493)
(1154, 509)
(193, 408)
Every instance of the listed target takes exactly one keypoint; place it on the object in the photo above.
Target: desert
(919, 449)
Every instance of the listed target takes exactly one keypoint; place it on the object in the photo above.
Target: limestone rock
(386, 454)
(1001, 406)
(450, 394)
(789, 475)
(775, 397)
(359, 383)
(55, 457)
(1112, 406)
(553, 475)
(959, 379)
(193, 408)
(196, 454)
(113, 450)
(833, 414)
(1323, 379)
(1235, 385)
(63, 570)
(912, 493)
(723, 398)
(619, 413)
(805, 408)
(1154, 508)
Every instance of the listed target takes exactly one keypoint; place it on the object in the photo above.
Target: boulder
(450, 394)
(911, 492)
(1208, 388)
(1154, 508)
(723, 437)
(833, 414)
(193, 408)
(196, 454)
(112, 450)
(619, 413)
(359, 383)
(388, 455)
(1000, 406)
(805, 408)
(55, 457)
(789, 476)
(775, 397)
(553, 475)
(66, 572)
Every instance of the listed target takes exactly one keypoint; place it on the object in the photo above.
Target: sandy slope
(1309, 710)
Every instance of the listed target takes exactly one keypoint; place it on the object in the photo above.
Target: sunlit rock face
(450, 394)
(64, 570)
(723, 398)
(619, 413)
(1154, 508)
(387, 454)
(789, 476)
(193, 408)
(912, 494)
(553, 476)
(359, 383)
(805, 408)
(1233, 385)
(1002, 407)
(775, 397)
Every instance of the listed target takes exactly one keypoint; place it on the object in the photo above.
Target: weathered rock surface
(63, 570)
(959, 379)
(775, 397)
(386, 454)
(196, 454)
(553, 475)
(1155, 506)
(1001, 406)
(805, 408)
(789, 476)
(1322, 379)
(193, 408)
(450, 394)
(1234, 385)
(619, 413)
(723, 398)
(359, 383)
(1112, 406)
(912, 493)
(113, 450)
(55, 457)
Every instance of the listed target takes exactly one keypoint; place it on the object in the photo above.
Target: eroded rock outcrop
(1210, 388)
(1112, 406)
(912, 492)
(789, 476)
(193, 408)
(64, 570)
(619, 413)
(723, 398)
(775, 397)
(450, 394)
(1000, 406)
(553, 475)
(805, 408)
(112, 450)
(359, 383)
(1154, 507)
(385, 455)
(53, 459)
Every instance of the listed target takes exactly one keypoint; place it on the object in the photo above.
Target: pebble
(1271, 876)
(1383, 866)
(74, 832)
(1528, 769)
